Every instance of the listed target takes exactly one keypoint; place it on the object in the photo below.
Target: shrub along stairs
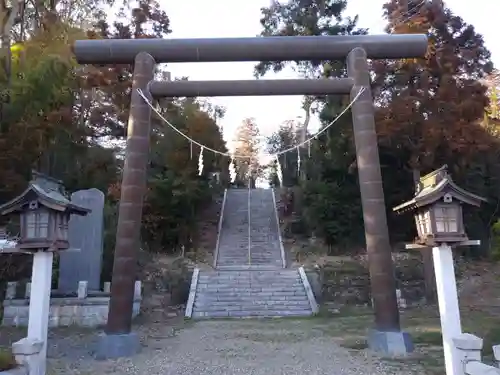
(249, 277)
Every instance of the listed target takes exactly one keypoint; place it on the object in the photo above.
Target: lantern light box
(437, 207)
(44, 211)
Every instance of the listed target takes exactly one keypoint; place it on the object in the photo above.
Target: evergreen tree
(329, 180)
(430, 109)
(247, 145)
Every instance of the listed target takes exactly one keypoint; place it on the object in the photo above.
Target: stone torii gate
(119, 340)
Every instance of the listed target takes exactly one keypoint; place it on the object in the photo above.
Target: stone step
(245, 306)
(224, 264)
(245, 281)
(265, 261)
(263, 296)
(250, 289)
(252, 281)
(285, 282)
(251, 314)
(244, 271)
(246, 267)
(255, 284)
(234, 273)
(232, 258)
(249, 282)
(303, 301)
(248, 298)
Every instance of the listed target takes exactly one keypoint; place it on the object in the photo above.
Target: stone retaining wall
(347, 283)
(86, 308)
(15, 371)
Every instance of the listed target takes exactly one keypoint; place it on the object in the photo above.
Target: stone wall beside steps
(346, 282)
(85, 308)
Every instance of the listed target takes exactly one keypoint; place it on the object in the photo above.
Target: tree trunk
(427, 261)
(8, 17)
(429, 276)
(307, 108)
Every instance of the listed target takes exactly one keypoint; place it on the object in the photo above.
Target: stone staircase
(265, 244)
(234, 238)
(250, 294)
(249, 279)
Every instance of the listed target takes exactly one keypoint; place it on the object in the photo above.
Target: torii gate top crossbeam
(279, 48)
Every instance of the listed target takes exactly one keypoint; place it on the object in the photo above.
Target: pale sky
(239, 18)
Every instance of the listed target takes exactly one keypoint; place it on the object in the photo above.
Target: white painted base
(448, 307)
(41, 280)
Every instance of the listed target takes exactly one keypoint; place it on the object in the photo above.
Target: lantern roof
(47, 191)
(433, 187)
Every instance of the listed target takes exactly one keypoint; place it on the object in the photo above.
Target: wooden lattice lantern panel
(44, 210)
(437, 207)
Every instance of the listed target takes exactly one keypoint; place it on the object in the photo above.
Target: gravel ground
(221, 347)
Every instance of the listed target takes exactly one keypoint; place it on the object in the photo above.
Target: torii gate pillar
(118, 339)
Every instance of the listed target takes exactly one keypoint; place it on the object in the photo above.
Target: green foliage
(171, 209)
(306, 17)
(331, 204)
(7, 361)
(333, 209)
(429, 113)
(177, 278)
(69, 121)
(495, 241)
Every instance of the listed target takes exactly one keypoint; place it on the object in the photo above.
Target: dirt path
(285, 346)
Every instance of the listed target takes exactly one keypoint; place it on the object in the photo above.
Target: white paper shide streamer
(232, 171)
(200, 162)
(298, 160)
(279, 172)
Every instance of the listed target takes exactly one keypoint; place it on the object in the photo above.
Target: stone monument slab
(86, 234)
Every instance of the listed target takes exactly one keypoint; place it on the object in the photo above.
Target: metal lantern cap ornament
(437, 206)
(44, 211)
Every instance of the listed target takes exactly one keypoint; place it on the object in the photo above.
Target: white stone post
(41, 280)
(10, 292)
(469, 347)
(107, 287)
(137, 289)
(496, 354)
(82, 289)
(448, 307)
(27, 291)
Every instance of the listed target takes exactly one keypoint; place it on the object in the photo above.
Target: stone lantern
(437, 207)
(44, 213)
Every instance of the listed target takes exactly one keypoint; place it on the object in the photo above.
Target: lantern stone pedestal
(41, 281)
(449, 310)
(110, 346)
(390, 343)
